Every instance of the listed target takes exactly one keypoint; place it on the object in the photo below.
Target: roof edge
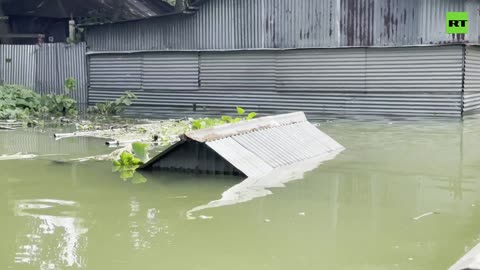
(228, 130)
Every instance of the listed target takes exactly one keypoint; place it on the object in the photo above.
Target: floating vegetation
(128, 162)
(211, 122)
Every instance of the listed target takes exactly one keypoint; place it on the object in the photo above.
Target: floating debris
(17, 156)
(178, 197)
(156, 133)
(6, 128)
(20, 156)
(161, 132)
(10, 125)
(425, 215)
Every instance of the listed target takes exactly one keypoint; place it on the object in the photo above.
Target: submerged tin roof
(259, 146)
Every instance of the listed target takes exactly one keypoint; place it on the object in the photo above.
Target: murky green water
(354, 212)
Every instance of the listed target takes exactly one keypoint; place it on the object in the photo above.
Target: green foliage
(70, 85)
(141, 151)
(127, 159)
(251, 115)
(18, 102)
(116, 107)
(59, 105)
(226, 119)
(240, 111)
(128, 163)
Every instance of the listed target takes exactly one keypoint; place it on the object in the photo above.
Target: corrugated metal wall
(472, 79)
(265, 24)
(45, 68)
(417, 81)
(58, 61)
(18, 64)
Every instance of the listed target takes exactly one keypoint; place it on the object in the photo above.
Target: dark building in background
(33, 30)
(38, 21)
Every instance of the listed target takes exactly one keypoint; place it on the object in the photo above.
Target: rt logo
(457, 22)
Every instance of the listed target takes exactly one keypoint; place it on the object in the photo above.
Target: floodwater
(405, 194)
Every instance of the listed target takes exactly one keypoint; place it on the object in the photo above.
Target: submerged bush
(18, 102)
(116, 107)
(59, 105)
(62, 104)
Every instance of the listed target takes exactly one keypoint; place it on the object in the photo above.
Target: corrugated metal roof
(259, 146)
(101, 10)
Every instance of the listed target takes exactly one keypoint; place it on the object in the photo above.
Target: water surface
(354, 212)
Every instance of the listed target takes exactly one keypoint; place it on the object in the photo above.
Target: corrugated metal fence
(45, 68)
(472, 79)
(416, 81)
(264, 24)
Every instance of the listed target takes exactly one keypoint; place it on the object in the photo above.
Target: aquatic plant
(116, 107)
(18, 102)
(61, 104)
(127, 159)
(128, 163)
(138, 156)
(141, 151)
(225, 119)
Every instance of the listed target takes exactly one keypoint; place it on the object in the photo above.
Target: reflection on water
(145, 225)
(255, 187)
(356, 211)
(66, 230)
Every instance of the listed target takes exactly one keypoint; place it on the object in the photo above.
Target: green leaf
(197, 124)
(240, 111)
(227, 119)
(126, 158)
(251, 115)
(141, 151)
